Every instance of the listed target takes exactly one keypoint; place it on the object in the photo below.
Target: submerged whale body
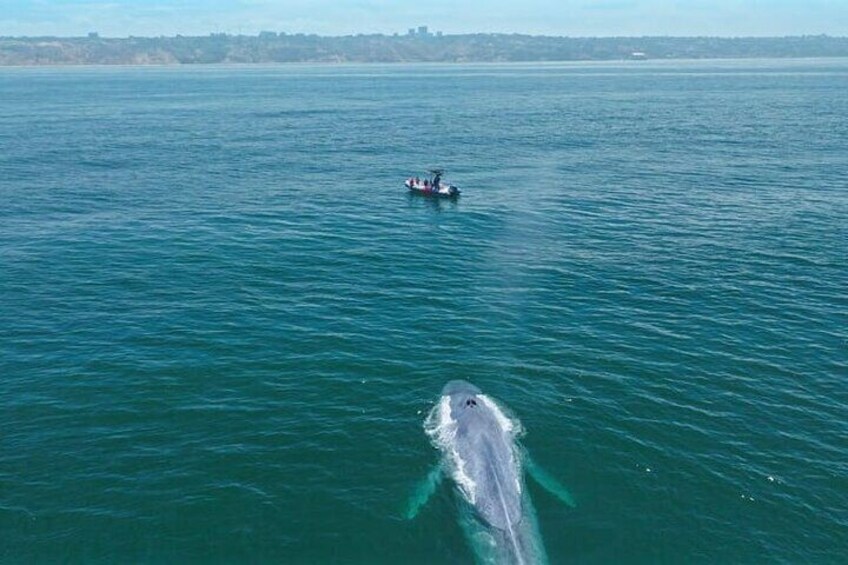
(480, 453)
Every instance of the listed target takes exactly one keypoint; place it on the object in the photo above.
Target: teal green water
(222, 320)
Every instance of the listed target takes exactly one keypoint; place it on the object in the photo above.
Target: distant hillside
(271, 47)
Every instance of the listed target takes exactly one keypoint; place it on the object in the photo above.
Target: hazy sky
(120, 18)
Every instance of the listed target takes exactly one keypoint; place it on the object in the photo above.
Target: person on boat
(436, 180)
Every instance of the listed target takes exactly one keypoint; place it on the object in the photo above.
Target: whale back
(478, 439)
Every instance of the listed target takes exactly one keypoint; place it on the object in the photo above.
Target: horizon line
(429, 35)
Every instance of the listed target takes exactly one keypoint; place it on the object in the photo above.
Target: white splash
(441, 428)
(507, 424)
(511, 426)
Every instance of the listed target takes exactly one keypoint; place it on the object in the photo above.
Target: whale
(480, 453)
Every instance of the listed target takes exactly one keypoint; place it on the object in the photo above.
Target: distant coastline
(273, 47)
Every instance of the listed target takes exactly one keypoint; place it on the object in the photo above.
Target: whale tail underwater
(478, 441)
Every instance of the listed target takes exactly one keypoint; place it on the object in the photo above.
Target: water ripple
(222, 321)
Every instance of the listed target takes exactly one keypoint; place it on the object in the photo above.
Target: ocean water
(223, 321)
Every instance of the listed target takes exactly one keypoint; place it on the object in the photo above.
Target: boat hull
(444, 191)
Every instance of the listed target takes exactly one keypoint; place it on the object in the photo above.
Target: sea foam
(441, 427)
